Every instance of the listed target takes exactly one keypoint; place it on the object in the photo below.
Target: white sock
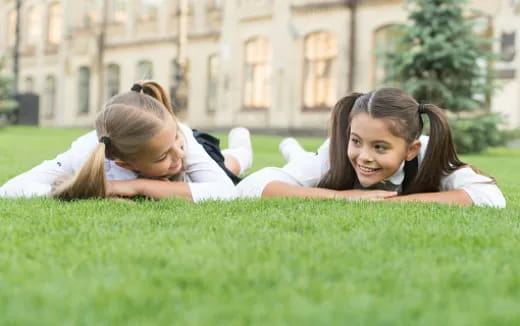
(289, 147)
(239, 147)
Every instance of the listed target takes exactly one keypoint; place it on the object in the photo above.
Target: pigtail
(440, 158)
(156, 91)
(89, 182)
(341, 175)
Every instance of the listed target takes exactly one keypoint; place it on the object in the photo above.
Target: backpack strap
(211, 145)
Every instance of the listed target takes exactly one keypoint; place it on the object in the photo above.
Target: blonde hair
(128, 121)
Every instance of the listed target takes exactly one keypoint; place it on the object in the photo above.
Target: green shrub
(476, 134)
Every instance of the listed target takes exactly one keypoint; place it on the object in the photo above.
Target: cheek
(393, 161)
(352, 153)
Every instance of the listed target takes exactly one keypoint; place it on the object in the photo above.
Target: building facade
(264, 64)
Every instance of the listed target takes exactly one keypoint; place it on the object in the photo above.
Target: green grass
(263, 262)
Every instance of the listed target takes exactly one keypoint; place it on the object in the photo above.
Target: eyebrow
(376, 141)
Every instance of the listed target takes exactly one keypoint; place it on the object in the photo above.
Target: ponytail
(440, 158)
(341, 174)
(89, 182)
(156, 91)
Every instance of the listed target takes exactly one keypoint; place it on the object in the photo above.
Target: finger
(390, 195)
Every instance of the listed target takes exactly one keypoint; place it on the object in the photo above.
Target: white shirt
(206, 179)
(307, 169)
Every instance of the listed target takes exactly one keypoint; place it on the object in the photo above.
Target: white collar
(398, 177)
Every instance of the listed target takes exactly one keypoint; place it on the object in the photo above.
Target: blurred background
(276, 66)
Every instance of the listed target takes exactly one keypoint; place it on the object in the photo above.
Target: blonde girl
(138, 148)
(377, 151)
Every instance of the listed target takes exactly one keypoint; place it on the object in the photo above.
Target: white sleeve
(254, 184)
(481, 189)
(208, 180)
(305, 169)
(39, 180)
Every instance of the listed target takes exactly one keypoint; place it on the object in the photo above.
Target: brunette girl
(377, 151)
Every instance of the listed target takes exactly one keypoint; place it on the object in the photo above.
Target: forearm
(159, 189)
(282, 189)
(455, 197)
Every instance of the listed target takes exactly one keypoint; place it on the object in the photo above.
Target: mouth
(176, 167)
(367, 171)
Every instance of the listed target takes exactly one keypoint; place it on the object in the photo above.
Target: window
(214, 4)
(319, 85)
(113, 77)
(211, 95)
(119, 10)
(507, 46)
(92, 14)
(29, 84)
(34, 24)
(180, 85)
(84, 90)
(149, 9)
(49, 97)
(11, 27)
(257, 73)
(55, 24)
(386, 41)
(144, 70)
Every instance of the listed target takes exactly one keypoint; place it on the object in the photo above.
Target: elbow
(16, 190)
(224, 192)
(253, 185)
(490, 197)
(229, 193)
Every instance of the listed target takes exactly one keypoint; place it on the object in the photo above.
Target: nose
(365, 155)
(178, 152)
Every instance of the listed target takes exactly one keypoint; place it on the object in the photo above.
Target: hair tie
(422, 108)
(137, 88)
(105, 140)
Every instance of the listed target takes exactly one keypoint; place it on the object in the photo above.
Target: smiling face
(374, 151)
(162, 155)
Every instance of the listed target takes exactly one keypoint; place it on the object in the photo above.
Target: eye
(380, 148)
(161, 159)
(355, 141)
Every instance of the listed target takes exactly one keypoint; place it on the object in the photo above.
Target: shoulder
(81, 148)
(88, 139)
(185, 129)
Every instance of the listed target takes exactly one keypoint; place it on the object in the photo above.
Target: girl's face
(374, 152)
(162, 156)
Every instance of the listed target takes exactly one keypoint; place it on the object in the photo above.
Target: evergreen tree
(443, 61)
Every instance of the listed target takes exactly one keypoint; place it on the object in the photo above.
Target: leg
(232, 164)
(239, 154)
(291, 149)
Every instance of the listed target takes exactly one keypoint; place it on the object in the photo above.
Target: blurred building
(268, 64)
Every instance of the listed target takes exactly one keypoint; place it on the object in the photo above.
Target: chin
(174, 172)
(367, 183)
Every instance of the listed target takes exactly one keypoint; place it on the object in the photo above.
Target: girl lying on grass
(376, 152)
(139, 148)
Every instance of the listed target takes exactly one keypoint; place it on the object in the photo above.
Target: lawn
(254, 262)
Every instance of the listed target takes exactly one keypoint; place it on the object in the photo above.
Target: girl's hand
(373, 195)
(123, 188)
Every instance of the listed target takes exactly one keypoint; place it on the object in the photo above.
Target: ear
(125, 165)
(413, 150)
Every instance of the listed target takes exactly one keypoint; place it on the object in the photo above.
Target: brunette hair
(402, 113)
(127, 122)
